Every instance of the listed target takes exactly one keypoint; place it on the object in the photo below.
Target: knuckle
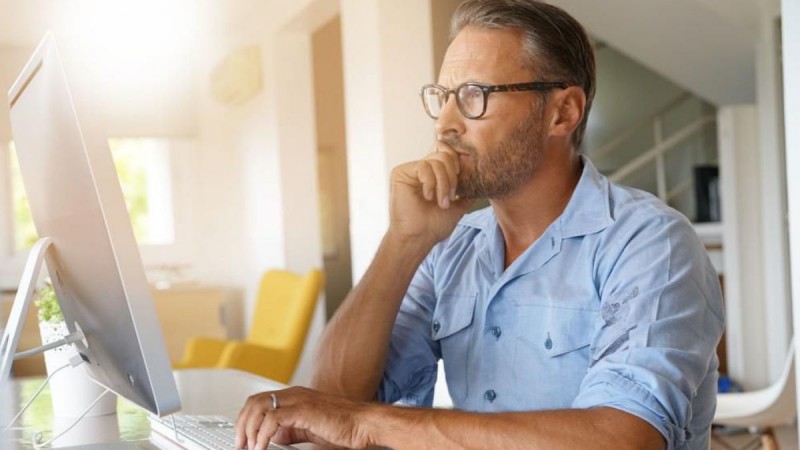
(398, 170)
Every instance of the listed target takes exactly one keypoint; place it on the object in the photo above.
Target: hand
(424, 205)
(303, 415)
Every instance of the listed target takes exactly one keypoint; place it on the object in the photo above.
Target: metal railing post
(661, 172)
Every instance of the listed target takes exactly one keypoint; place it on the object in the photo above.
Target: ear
(568, 107)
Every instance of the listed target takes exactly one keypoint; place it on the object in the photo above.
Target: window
(143, 168)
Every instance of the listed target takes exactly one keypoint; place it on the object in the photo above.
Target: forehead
(484, 55)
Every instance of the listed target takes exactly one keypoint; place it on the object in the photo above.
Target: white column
(791, 97)
(776, 297)
(388, 55)
(297, 154)
(741, 200)
(297, 150)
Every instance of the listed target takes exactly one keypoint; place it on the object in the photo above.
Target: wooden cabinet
(187, 312)
(183, 312)
(29, 339)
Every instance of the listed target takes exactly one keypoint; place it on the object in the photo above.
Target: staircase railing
(658, 152)
(613, 144)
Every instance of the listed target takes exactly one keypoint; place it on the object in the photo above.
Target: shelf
(709, 230)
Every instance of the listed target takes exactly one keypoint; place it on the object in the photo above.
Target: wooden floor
(785, 439)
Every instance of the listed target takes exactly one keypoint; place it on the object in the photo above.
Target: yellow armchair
(202, 352)
(284, 309)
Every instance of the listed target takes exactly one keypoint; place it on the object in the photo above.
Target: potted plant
(71, 390)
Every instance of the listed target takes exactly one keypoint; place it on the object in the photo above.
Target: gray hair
(556, 47)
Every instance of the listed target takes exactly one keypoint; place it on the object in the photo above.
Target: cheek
(486, 136)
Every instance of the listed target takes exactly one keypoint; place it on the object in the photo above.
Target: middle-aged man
(571, 313)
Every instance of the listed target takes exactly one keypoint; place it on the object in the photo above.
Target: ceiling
(706, 46)
(23, 22)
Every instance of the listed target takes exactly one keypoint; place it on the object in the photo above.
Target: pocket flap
(453, 313)
(568, 345)
(558, 330)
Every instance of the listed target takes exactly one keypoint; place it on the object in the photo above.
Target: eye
(471, 93)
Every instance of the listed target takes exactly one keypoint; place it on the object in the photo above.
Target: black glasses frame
(487, 89)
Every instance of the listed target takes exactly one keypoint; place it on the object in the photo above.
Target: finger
(240, 425)
(450, 161)
(238, 430)
(252, 426)
(445, 149)
(267, 429)
(427, 178)
(442, 183)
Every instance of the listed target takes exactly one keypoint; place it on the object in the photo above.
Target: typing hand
(424, 205)
(302, 415)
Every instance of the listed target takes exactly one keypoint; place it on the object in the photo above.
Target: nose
(450, 120)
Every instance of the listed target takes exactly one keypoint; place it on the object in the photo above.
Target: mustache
(458, 145)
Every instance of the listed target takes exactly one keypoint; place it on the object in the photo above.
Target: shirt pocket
(451, 328)
(552, 353)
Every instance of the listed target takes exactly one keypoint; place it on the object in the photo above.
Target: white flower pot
(71, 389)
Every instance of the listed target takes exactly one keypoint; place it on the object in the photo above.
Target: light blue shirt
(615, 305)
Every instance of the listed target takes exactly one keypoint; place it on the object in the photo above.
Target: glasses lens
(470, 99)
(433, 99)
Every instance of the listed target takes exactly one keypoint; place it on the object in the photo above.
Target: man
(572, 313)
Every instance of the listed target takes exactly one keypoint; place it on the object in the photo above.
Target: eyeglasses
(471, 98)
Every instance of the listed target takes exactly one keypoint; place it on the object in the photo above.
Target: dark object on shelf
(706, 191)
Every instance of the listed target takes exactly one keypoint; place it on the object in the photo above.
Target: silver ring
(275, 403)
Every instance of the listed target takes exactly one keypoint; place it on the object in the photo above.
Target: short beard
(500, 171)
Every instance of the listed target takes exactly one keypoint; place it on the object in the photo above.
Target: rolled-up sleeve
(411, 366)
(661, 321)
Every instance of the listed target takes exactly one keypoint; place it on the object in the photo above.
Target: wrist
(387, 425)
(407, 244)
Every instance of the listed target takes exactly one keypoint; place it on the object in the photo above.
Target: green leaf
(47, 302)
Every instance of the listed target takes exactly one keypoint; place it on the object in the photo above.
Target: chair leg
(760, 439)
(768, 441)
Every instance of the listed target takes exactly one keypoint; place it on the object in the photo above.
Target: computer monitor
(76, 200)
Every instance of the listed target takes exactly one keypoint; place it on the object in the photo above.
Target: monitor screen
(76, 200)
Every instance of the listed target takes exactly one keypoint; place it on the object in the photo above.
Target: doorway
(332, 162)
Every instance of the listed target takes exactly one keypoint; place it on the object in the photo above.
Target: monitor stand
(19, 310)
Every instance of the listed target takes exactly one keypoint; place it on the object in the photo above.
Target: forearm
(353, 348)
(600, 428)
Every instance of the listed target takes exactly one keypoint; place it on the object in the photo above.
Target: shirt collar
(588, 211)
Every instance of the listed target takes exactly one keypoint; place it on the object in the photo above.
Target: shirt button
(490, 395)
(496, 332)
(436, 326)
(548, 343)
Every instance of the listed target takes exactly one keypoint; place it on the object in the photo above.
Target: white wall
(387, 49)
(791, 77)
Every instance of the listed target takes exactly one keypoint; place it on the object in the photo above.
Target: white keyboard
(200, 432)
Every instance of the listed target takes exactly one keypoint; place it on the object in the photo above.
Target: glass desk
(202, 391)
